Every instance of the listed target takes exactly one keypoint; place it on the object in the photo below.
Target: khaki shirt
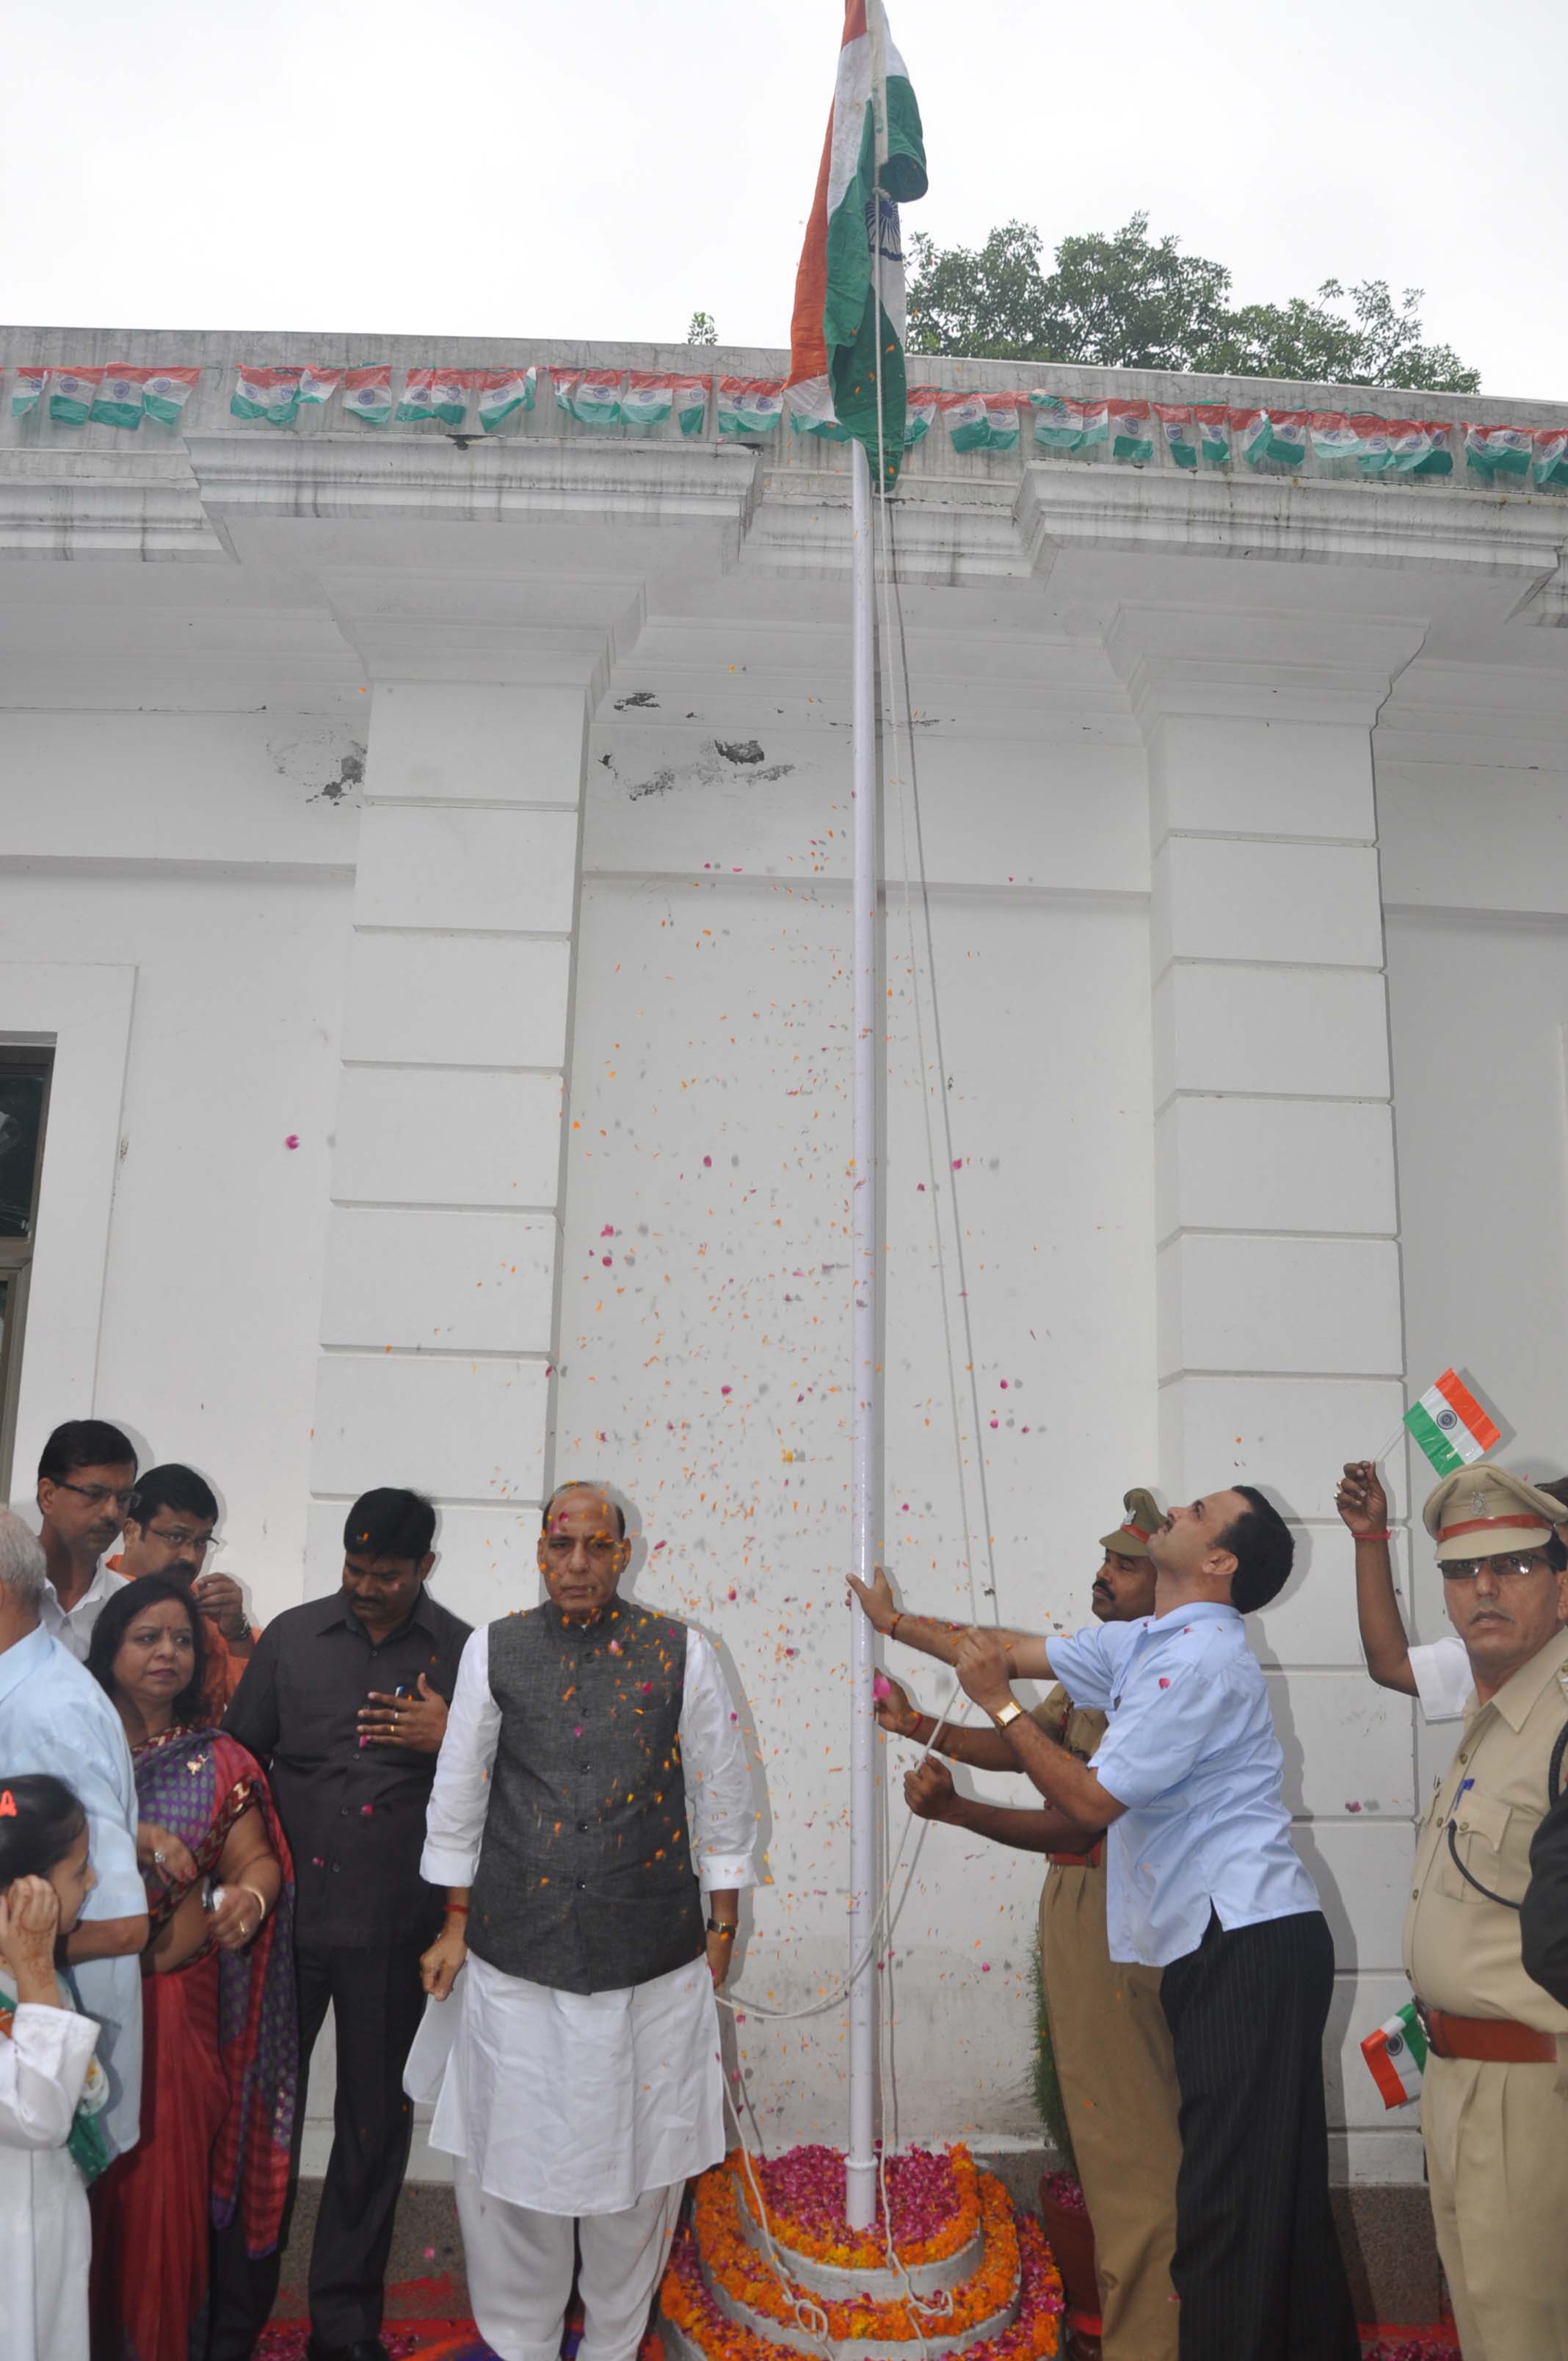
(1072, 1727)
(1462, 1951)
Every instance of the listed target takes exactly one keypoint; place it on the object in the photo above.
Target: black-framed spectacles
(99, 1493)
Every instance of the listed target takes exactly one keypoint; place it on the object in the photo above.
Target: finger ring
(158, 1860)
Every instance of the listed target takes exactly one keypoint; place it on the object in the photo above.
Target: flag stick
(860, 2172)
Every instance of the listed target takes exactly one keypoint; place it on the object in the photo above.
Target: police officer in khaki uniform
(1494, 2097)
(1108, 2029)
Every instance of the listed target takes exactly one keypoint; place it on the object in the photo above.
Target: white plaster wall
(705, 1311)
(210, 1293)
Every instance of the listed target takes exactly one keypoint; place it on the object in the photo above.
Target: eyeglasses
(1466, 1569)
(101, 1493)
(178, 1538)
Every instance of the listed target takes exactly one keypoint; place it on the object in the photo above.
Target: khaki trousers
(1118, 2079)
(1496, 2142)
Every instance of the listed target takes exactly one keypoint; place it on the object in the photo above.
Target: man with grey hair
(54, 1717)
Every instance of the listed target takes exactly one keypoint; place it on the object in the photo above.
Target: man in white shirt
(1204, 1883)
(86, 1475)
(1436, 1672)
(54, 1717)
(583, 2086)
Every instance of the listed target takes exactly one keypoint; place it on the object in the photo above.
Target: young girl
(50, 2084)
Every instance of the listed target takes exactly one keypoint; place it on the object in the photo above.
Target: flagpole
(860, 2168)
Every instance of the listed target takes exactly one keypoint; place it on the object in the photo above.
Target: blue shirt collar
(1201, 1611)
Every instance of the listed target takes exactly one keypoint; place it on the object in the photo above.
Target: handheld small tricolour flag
(1397, 2056)
(1451, 1425)
(873, 161)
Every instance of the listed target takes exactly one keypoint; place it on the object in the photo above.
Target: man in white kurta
(583, 2084)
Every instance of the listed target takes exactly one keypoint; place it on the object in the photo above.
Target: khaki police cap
(1484, 1511)
(1131, 1538)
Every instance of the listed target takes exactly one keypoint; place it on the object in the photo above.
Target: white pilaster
(437, 1325)
(1281, 1331)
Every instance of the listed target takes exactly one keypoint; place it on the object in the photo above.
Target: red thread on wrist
(893, 1627)
(457, 1910)
(1384, 1536)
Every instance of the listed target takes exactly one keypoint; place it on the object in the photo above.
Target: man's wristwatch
(1010, 1712)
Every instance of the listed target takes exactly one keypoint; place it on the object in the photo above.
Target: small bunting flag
(749, 405)
(1001, 421)
(417, 402)
(1374, 443)
(968, 426)
(648, 398)
(1131, 435)
(1213, 423)
(690, 395)
(1334, 436)
(1551, 454)
(26, 392)
(1497, 450)
(271, 395)
(501, 392)
(119, 401)
(367, 394)
(590, 396)
(317, 386)
(72, 394)
(921, 404)
(1249, 435)
(165, 392)
(1175, 425)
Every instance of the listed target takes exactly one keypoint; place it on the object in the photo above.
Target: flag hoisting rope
(846, 373)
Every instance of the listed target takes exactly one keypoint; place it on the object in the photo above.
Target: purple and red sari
(220, 2074)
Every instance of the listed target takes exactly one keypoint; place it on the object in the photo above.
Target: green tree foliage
(702, 330)
(1133, 301)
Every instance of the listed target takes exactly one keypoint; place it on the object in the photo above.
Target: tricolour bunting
(1063, 423)
(843, 342)
(119, 401)
(271, 395)
(1397, 2056)
(317, 386)
(438, 393)
(165, 392)
(1497, 450)
(1131, 435)
(501, 392)
(921, 405)
(28, 391)
(367, 394)
(72, 394)
(590, 396)
(751, 405)
(1213, 420)
(648, 398)
(968, 423)
(1175, 422)
(690, 396)
(1451, 1425)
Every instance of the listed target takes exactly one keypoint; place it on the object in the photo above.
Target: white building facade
(423, 868)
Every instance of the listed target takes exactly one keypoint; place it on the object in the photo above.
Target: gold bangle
(262, 1905)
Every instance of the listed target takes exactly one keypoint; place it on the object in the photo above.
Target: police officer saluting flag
(1494, 2096)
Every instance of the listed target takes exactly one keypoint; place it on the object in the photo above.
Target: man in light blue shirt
(1204, 1883)
(54, 1717)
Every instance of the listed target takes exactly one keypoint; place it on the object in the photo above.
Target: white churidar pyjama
(520, 2271)
(45, 2238)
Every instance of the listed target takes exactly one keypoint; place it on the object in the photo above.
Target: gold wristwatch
(1011, 1711)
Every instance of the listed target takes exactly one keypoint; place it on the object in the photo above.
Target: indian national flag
(1175, 425)
(648, 398)
(968, 422)
(1397, 2056)
(1131, 434)
(1065, 424)
(1001, 421)
(367, 394)
(1551, 455)
(751, 405)
(1498, 450)
(590, 396)
(873, 161)
(1451, 1425)
(1375, 443)
(27, 391)
(1334, 436)
(449, 395)
(1213, 422)
(119, 400)
(690, 397)
(1249, 435)
(165, 392)
(417, 402)
(72, 394)
(921, 404)
(501, 392)
(272, 394)
(318, 386)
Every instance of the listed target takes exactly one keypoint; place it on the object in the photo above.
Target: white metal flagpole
(866, 1432)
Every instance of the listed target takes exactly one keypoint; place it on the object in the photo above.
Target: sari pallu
(220, 2076)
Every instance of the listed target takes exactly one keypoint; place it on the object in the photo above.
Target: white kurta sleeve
(717, 1776)
(42, 2068)
(460, 1792)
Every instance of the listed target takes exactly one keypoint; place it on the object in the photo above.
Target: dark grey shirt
(354, 1815)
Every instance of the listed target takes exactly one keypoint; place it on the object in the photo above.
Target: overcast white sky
(603, 168)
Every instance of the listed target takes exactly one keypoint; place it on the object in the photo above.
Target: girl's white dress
(45, 2238)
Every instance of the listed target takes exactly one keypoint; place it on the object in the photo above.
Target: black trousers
(1258, 2266)
(377, 2003)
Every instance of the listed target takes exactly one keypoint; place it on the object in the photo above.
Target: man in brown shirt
(1495, 2095)
(1108, 2030)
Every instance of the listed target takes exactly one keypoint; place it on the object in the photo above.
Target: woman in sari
(178, 2219)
